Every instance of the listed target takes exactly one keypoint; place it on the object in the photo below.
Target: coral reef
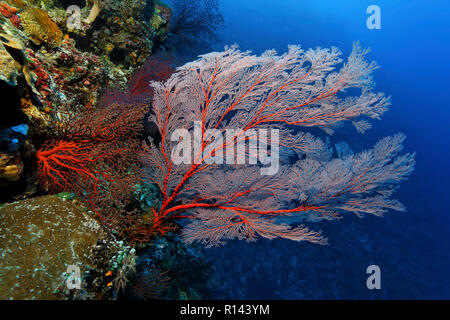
(55, 137)
(168, 269)
(112, 266)
(43, 236)
(50, 67)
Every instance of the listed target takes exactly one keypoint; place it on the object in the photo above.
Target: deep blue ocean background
(412, 249)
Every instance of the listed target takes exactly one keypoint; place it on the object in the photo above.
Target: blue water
(412, 248)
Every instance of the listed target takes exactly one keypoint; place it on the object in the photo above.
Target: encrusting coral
(40, 238)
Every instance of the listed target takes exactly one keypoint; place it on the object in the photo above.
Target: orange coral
(18, 3)
(40, 27)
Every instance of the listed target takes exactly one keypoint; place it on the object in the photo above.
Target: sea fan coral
(159, 67)
(194, 25)
(237, 93)
(96, 154)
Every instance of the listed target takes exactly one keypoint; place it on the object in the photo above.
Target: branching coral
(97, 154)
(237, 93)
(194, 25)
(153, 284)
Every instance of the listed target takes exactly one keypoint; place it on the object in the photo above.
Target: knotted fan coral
(297, 90)
(96, 154)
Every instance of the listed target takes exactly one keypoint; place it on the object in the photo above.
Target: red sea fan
(159, 67)
(236, 92)
(152, 285)
(98, 154)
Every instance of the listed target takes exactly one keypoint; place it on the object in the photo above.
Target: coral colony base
(115, 164)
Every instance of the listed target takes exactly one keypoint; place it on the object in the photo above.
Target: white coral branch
(95, 11)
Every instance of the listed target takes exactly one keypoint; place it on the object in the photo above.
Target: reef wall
(58, 56)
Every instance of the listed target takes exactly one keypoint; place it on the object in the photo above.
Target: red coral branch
(63, 164)
(97, 156)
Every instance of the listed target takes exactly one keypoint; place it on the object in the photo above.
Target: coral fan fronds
(62, 165)
(236, 92)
